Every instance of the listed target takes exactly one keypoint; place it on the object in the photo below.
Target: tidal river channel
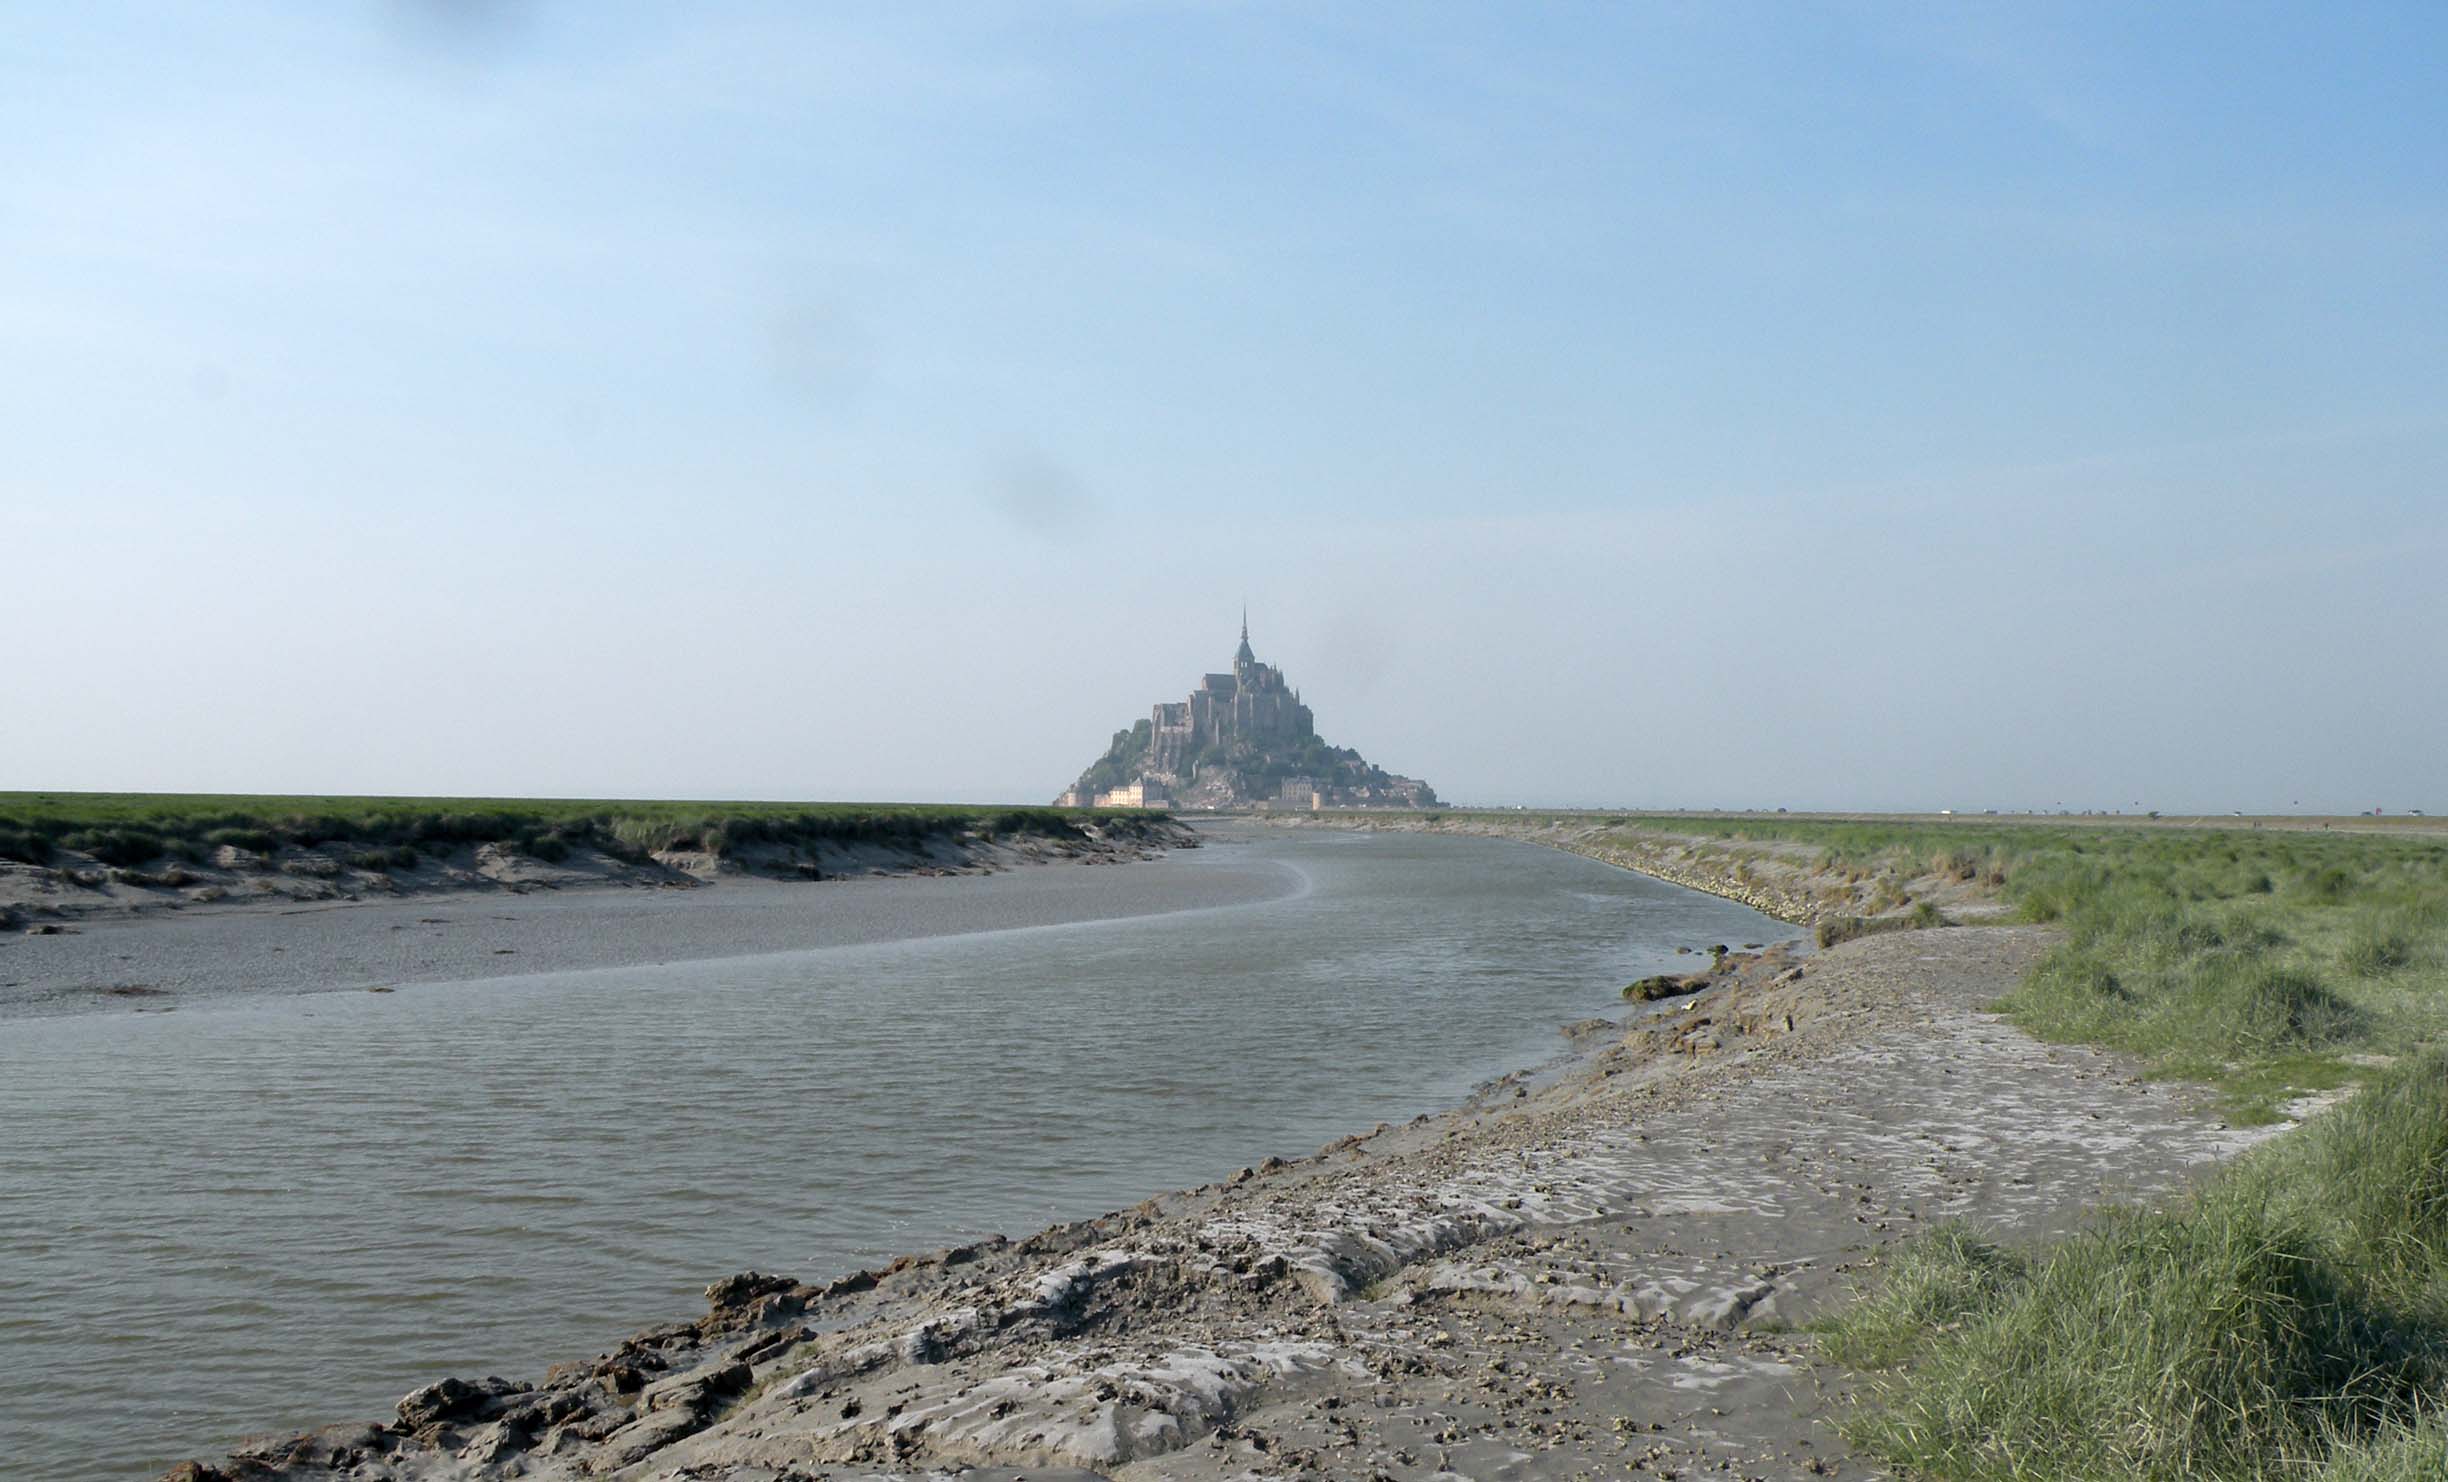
(245, 1195)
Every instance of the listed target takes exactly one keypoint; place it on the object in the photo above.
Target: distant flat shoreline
(72, 857)
(161, 961)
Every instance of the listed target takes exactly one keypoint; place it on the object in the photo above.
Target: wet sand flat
(159, 962)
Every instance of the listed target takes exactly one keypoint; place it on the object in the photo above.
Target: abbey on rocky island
(1242, 739)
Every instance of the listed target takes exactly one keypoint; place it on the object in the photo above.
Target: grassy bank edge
(2290, 1318)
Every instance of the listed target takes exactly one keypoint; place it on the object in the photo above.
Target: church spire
(1243, 657)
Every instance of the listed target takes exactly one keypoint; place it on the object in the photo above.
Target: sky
(1632, 404)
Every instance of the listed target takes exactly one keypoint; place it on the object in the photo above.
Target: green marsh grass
(2408, 1453)
(2290, 1318)
(129, 830)
(2268, 962)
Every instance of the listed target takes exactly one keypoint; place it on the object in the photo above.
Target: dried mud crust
(1599, 1277)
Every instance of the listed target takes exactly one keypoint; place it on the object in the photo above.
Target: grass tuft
(2394, 1453)
(123, 847)
(2293, 1315)
(1837, 929)
(2377, 948)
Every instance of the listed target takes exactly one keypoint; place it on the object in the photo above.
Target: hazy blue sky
(1877, 404)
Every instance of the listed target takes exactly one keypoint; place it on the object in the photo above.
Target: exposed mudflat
(1593, 1275)
(161, 960)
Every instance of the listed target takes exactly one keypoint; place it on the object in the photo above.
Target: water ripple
(277, 1211)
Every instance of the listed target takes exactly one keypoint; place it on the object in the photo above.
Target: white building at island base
(1129, 795)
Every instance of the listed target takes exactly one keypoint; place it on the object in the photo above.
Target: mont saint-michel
(1242, 739)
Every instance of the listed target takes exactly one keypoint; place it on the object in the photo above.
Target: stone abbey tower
(1252, 702)
(1243, 738)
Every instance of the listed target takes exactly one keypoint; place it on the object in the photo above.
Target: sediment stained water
(275, 1209)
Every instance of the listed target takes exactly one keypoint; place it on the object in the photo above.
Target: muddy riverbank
(262, 1196)
(1599, 1271)
(272, 872)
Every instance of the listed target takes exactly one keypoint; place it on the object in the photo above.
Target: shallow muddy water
(274, 1208)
